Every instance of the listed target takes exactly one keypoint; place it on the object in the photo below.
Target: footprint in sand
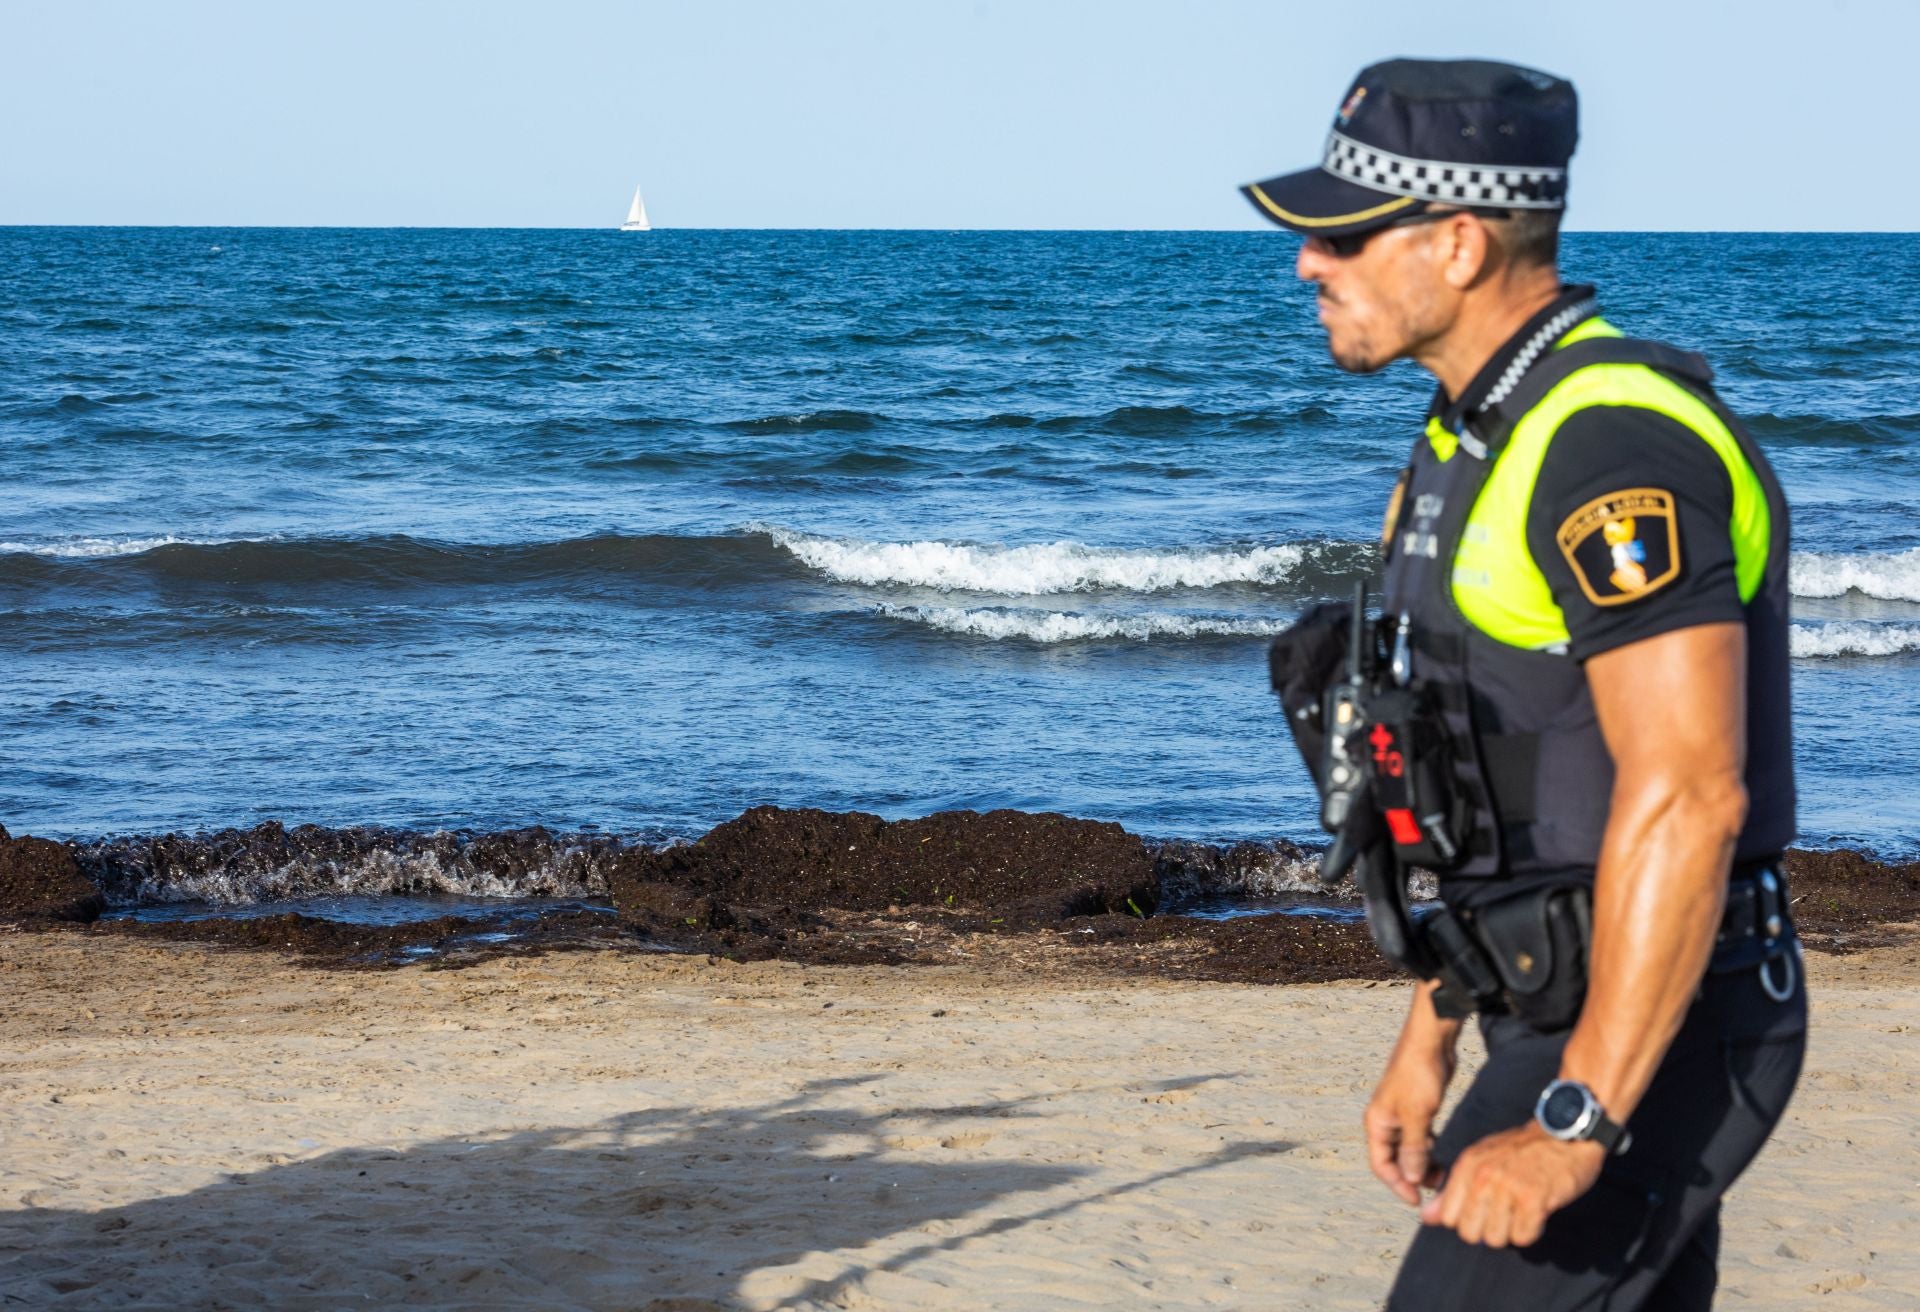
(972, 1139)
(920, 1142)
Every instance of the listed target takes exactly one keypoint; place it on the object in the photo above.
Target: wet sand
(193, 1127)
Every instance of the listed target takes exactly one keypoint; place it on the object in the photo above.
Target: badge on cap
(1352, 107)
(1624, 545)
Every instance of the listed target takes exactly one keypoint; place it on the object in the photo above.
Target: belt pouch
(1302, 664)
(1538, 942)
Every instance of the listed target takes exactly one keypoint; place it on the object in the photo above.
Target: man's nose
(1310, 265)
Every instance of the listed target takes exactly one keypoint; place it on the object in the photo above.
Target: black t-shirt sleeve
(1631, 524)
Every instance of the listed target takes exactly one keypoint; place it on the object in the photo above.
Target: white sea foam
(1807, 639)
(1040, 569)
(1002, 622)
(379, 872)
(1853, 638)
(1891, 576)
(89, 548)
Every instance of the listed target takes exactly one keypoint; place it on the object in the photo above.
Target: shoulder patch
(1623, 546)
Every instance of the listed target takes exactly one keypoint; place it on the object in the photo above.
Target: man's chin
(1353, 353)
(1355, 362)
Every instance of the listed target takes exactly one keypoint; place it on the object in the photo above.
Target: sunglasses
(1349, 244)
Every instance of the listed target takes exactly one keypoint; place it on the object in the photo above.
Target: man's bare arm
(1673, 710)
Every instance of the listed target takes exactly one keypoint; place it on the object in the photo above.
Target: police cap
(1411, 133)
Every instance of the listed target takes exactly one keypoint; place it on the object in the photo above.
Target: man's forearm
(1399, 1118)
(1426, 1030)
(1658, 898)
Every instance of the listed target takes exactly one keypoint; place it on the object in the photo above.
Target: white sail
(636, 215)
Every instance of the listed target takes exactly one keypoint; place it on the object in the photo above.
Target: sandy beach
(193, 1127)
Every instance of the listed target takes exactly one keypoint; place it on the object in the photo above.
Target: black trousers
(1646, 1237)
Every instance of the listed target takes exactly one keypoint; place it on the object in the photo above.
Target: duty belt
(1527, 955)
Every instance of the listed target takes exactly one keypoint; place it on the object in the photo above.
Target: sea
(621, 534)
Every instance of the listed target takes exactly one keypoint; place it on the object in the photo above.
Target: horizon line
(615, 228)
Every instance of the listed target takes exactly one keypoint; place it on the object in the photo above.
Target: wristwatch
(1569, 1112)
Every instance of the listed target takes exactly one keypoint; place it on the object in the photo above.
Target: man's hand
(1399, 1118)
(1503, 1189)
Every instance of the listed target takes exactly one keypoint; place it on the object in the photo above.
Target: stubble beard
(1359, 358)
(1357, 354)
(1417, 321)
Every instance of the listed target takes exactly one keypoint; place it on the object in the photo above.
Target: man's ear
(1466, 249)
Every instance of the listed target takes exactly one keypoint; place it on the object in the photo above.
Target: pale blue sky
(1696, 114)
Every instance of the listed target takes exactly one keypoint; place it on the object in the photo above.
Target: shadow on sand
(665, 1210)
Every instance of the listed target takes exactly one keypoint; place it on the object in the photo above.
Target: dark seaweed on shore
(41, 881)
(848, 888)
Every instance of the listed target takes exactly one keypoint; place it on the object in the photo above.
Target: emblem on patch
(1624, 545)
(1352, 106)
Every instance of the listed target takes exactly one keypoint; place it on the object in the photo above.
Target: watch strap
(1609, 1134)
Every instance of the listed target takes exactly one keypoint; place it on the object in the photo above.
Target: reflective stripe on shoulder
(1594, 327)
(1496, 582)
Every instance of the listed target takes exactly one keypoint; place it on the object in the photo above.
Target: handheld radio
(1346, 811)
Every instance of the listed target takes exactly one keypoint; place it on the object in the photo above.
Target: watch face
(1563, 1107)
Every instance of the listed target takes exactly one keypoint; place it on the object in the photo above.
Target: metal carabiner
(1401, 662)
(1785, 990)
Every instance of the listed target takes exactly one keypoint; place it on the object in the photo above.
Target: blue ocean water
(629, 532)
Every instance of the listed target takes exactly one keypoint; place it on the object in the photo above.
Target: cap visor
(1315, 202)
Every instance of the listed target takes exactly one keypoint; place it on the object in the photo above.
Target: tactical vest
(1472, 621)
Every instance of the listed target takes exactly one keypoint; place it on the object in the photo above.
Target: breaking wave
(758, 554)
(1890, 576)
(1048, 568)
(92, 548)
(1853, 638)
(1003, 622)
(1190, 872)
(271, 863)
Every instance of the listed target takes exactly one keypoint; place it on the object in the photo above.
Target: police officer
(1584, 644)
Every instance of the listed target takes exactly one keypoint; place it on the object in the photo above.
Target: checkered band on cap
(1459, 184)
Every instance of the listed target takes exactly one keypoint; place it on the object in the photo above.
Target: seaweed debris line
(1042, 891)
(40, 880)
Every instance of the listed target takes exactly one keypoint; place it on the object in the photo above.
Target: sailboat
(636, 215)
